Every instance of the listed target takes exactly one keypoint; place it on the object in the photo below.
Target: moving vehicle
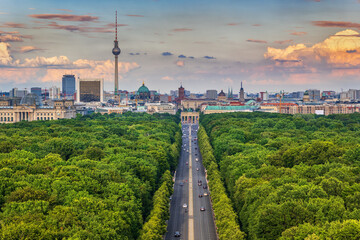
(204, 187)
(200, 195)
(177, 234)
(196, 159)
(197, 169)
(202, 208)
(184, 205)
(205, 194)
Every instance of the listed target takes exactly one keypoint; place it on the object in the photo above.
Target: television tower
(116, 51)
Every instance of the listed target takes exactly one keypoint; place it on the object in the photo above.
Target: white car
(184, 205)
(196, 159)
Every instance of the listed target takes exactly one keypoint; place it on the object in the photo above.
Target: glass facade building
(68, 85)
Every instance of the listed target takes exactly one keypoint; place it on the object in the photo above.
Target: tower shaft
(116, 75)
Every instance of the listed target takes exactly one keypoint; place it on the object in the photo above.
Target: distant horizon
(269, 45)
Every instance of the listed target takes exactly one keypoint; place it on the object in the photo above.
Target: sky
(269, 45)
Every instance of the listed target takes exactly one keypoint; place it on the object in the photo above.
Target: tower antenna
(116, 25)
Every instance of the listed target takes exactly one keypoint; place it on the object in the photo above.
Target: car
(187, 163)
(181, 184)
(195, 154)
(199, 183)
(205, 194)
(202, 208)
(200, 195)
(196, 159)
(197, 169)
(177, 234)
(204, 187)
(184, 205)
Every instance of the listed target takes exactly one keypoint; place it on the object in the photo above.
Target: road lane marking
(191, 207)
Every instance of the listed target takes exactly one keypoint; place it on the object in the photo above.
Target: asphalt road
(200, 224)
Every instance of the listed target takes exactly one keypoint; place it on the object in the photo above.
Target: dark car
(200, 195)
(205, 187)
(199, 184)
(177, 234)
(202, 208)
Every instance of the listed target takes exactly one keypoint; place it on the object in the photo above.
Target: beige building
(61, 109)
(196, 103)
(161, 108)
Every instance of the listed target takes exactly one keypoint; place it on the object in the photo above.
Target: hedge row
(155, 227)
(225, 217)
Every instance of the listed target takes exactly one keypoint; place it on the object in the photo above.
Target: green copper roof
(143, 89)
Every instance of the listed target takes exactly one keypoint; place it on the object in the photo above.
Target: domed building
(222, 96)
(31, 99)
(143, 93)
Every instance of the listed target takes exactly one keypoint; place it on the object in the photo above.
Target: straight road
(190, 222)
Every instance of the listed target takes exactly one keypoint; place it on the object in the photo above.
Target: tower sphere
(116, 51)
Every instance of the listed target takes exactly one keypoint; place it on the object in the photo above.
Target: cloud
(181, 56)
(167, 54)
(283, 41)
(298, 33)
(65, 17)
(228, 80)
(3, 13)
(32, 8)
(167, 78)
(209, 57)
(26, 49)
(336, 24)
(182, 29)
(10, 38)
(13, 25)
(74, 28)
(256, 41)
(180, 63)
(257, 25)
(65, 10)
(134, 15)
(341, 50)
(50, 69)
(133, 54)
(232, 24)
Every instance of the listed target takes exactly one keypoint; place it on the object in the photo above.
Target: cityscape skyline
(287, 46)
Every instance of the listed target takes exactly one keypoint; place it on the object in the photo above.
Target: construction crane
(280, 95)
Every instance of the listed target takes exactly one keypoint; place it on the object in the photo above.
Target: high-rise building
(13, 92)
(36, 90)
(314, 94)
(21, 93)
(264, 96)
(116, 51)
(90, 90)
(211, 94)
(241, 94)
(68, 86)
(54, 92)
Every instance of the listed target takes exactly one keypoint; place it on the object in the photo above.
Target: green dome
(143, 89)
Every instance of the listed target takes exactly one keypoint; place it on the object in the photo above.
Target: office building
(314, 95)
(90, 90)
(211, 94)
(68, 86)
(54, 92)
(36, 91)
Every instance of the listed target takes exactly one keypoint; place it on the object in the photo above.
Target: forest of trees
(290, 176)
(93, 177)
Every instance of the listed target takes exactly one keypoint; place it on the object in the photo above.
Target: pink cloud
(232, 24)
(10, 38)
(65, 10)
(167, 78)
(256, 41)
(25, 49)
(336, 24)
(182, 29)
(257, 25)
(65, 17)
(283, 41)
(13, 25)
(298, 33)
(180, 63)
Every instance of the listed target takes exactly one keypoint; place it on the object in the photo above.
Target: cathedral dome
(222, 94)
(143, 89)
